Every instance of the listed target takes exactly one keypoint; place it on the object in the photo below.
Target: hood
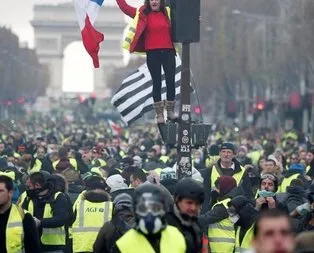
(116, 182)
(96, 196)
(75, 188)
(296, 190)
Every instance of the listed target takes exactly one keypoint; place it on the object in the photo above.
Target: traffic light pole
(184, 162)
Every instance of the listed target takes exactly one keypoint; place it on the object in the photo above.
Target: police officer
(18, 232)
(92, 210)
(152, 233)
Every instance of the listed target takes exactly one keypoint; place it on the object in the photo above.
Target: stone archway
(56, 26)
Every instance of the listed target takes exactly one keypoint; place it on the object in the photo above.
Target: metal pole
(184, 163)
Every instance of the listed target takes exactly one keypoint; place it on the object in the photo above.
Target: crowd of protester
(100, 187)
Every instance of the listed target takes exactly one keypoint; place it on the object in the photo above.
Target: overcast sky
(18, 14)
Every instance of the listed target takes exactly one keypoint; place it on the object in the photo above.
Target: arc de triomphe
(56, 26)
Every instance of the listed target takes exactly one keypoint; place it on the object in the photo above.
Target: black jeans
(165, 58)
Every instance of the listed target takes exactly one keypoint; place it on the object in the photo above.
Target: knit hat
(122, 201)
(227, 145)
(225, 184)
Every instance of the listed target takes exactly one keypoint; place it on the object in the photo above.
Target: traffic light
(260, 105)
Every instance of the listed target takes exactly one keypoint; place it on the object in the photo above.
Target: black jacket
(291, 199)
(31, 238)
(191, 230)
(112, 230)
(60, 213)
(206, 174)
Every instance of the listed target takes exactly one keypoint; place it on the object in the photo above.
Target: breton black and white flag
(135, 96)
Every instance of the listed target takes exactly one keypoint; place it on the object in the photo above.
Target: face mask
(163, 152)
(197, 160)
(34, 192)
(150, 224)
(266, 194)
(235, 218)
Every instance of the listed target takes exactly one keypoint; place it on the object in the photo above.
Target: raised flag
(135, 96)
(87, 11)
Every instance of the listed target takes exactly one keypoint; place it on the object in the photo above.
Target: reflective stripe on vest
(14, 231)
(50, 236)
(307, 169)
(135, 242)
(287, 181)
(246, 241)
(132, 30)
(89, 219)
(221, 235)
(215, 175)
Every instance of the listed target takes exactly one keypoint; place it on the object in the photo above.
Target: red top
(157, 32)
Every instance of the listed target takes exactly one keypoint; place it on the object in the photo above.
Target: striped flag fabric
(135, 96)
(87, 12)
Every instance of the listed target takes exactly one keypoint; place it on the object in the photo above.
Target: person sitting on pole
(150, 32)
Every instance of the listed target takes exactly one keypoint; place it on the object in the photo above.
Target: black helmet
(155, 191)
(189, 188)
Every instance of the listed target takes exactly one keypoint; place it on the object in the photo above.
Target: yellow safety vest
(36, 167)
(246, 242)
(172, 241)
(132, 29)
(286, 182)
(15, 232)
(221, 235)
(90, 216)
(73, 162)
(215, 175)
(164, 158)
(100, 161)
(211, 160)
(307, 169)
(50, 236)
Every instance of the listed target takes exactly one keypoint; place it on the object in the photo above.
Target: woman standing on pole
(150, 32)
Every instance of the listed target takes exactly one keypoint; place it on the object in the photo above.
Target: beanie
(227, 145)
(122, 201)
(226, 184)
(298, 167)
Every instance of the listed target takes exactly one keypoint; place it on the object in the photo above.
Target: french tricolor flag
(87, 11)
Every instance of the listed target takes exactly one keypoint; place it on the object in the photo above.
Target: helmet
(149, 206)
(189, 188)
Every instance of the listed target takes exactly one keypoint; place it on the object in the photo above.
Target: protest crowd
(97, 188)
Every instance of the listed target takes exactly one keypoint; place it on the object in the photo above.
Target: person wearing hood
(221, 232)
(266, 195)
(243, 215)
(49, 209)
(295, 171)
(117, 185)
(227, 165)
(122, 221)
(188, 198)
(91, 211)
